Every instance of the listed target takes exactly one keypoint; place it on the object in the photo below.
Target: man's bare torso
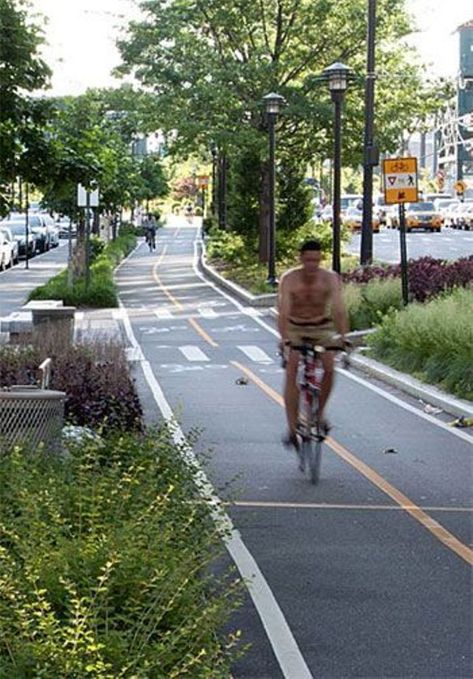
(309, 296)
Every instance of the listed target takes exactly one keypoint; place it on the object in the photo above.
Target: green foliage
(367, 304)
(101, 292)
(104, 562)
(289, 244)
(432, 340)
(225, 245)
(23, 148)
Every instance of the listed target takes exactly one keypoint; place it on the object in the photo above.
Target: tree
(210, 62)
(23, 146)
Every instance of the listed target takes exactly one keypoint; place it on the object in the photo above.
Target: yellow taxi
(353, 218)
(423, 216)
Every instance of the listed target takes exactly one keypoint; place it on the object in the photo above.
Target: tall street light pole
(370, 159)
(337, 76)
(273, 103)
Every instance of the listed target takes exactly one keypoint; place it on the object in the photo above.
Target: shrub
(95, 377)
(101, 292)
(104, 563)
(433, 341)
(290, 243)
(367, 304)
(427, 276)
(226, 245)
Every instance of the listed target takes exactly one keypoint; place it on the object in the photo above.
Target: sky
(82, 33)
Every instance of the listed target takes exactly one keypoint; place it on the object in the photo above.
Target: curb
(413, 387)
(410, 385)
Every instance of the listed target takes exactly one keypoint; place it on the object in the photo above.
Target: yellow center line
(399, 498)
(192, 322)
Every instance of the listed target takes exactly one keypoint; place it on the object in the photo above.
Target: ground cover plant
(101, 291)
(105, 558)
(433, 341)
(95, 376)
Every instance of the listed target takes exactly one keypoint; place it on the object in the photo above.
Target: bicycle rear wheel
(313, 451)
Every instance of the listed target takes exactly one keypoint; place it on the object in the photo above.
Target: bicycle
(151, 241)
(310, 430)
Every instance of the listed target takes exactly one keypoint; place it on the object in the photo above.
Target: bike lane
(365, 588)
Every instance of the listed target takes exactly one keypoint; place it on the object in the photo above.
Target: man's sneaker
(290, 439)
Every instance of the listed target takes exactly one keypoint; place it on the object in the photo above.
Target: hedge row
(101, 291)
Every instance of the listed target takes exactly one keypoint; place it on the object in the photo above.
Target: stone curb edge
(406, 383)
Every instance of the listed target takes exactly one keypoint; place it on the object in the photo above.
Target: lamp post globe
(272, 103)
(337, 76)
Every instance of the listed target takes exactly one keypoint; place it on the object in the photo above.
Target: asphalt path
(18, 281)
(448, 244)
(371, 569)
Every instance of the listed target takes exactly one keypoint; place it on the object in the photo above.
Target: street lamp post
(214, 152)
(273, 103)
(337, 76)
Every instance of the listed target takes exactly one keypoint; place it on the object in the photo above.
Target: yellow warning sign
(400, 180)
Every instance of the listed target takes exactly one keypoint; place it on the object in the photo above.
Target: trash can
(30, 416)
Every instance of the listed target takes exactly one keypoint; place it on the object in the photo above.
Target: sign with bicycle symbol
(400, 180)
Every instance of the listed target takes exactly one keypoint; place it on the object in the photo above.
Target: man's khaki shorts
(321, 334)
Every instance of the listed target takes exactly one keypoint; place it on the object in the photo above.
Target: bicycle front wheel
(313, 452)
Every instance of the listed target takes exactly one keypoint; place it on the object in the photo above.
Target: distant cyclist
(310, 306)
(150, 228)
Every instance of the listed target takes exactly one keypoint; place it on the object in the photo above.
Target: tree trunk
(264, 214)
(78, 257)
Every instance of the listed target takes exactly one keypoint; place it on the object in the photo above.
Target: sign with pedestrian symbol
(400, 180)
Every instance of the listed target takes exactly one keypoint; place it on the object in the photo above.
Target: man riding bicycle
(310, 307)
(150, 227)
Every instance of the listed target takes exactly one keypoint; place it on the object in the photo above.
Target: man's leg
(291, 391)
(328, 360)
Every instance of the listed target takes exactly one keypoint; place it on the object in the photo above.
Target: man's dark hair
(310, 245)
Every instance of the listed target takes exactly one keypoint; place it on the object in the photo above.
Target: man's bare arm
(284, 305)
(339, 313)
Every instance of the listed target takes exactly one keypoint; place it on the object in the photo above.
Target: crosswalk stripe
(256, 354)
(207, 312)
(163, 314)
(193, 353)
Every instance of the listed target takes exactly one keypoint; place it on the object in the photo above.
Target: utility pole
(371, 158)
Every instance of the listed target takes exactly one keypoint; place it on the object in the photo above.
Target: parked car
(5, 252)
(37, 226)
(353, 218)
(18, 231)
(52, 229)
(15, 255)
(63, 226)
(423, 216)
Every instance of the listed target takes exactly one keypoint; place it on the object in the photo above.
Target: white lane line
(286, 650)
(389, 397)
(163, 314)
(256, 354)
(207, 312)
(193, 353)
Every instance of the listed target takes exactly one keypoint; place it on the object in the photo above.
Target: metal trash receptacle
(31, 416)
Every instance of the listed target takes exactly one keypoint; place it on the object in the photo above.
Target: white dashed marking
(256, 354)
(193, 353)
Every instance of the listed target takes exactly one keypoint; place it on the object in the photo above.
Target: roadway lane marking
(286, 650)
(324, 505)
(176, 302)
(202, 332)
(193, 353)
(376, 479)
(256, 354)
(163, 314)
(207, 312)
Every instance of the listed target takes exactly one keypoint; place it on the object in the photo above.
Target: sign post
(202, 183)
(400, 187)
(87, 199)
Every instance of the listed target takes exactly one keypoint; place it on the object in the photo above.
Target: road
(369, 573)
(448, 244)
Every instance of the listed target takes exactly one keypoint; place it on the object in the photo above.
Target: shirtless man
(310, 305)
